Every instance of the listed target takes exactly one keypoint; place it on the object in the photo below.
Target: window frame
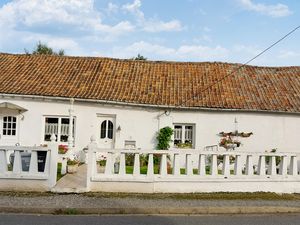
(107, 129)
(183, 129)
(7, 128)
(58, 135)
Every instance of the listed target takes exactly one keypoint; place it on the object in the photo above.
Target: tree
(44, 49)
(140, 57)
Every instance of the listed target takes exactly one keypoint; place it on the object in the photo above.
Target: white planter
(72, 168)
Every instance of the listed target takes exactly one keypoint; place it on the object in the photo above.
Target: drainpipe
(70, 137)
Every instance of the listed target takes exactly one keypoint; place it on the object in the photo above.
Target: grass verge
(269, 196)
(201, 196)
(70, 211)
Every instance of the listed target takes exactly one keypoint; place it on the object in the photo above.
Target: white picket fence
(214, 171)
(31, 168)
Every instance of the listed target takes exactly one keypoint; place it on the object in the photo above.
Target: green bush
(164, 138)
(129, 158)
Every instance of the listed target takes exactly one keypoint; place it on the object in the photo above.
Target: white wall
(140, 124)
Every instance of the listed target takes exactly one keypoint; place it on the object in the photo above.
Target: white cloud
(157, 26)
(112, 8)
(63, 43)
(246, 49)
(287, 54)
(203, 38)
(202, 52)
(182, 53)
(118, 29)
(278, 10)
(134, 8)
(31, 12)
(197, 52)
(62, 24)
(143, 48)
(68, 44)
(152, 24)
(206, 29)
(242, 53)
(76, 14)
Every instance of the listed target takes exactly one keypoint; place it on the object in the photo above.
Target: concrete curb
(153, 211)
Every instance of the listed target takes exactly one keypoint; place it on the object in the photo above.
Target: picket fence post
(91, 161)
(52, 155)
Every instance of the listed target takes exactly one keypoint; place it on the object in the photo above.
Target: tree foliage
(164, 138)
(44, 49)
(140, 57)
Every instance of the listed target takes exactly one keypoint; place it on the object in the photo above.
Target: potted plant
(228, 143)
(72, 164)
(101, 164)
(62, 149)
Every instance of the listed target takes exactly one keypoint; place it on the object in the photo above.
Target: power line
(241, 66)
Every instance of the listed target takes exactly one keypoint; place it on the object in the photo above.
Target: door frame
(113, 117)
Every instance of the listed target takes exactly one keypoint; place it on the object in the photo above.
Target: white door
(106, 135)
(8, 129)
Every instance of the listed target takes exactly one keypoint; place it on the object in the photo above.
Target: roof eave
(109, 102)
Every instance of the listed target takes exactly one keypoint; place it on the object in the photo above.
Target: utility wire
(241, 66)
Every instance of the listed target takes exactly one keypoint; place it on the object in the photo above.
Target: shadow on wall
(154, 140)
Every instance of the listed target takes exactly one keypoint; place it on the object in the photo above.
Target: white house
(125, 102)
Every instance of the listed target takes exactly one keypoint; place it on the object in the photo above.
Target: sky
(172, 30)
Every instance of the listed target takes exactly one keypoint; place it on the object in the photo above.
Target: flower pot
(230, 146)
(72, 168)
(100, 169)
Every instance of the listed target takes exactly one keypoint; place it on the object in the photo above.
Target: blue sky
(176, 30)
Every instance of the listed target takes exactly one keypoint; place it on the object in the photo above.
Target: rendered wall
(140, 124)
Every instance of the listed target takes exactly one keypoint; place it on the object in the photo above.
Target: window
(58, 126)
(107, 129)
(9, 126)
(110, 129)
(103, 129)
(184, 135)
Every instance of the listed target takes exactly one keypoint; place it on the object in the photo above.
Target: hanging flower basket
(235, 134)
(228, 143)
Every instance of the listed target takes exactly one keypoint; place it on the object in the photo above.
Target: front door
(106, 135)
(8, 129)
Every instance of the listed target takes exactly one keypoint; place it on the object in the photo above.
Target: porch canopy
(8, 105)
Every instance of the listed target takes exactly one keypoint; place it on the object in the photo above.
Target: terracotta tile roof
(175, 84)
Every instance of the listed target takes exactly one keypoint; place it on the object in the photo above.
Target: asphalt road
(279, 219)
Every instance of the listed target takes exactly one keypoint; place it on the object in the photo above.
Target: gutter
(163, 107)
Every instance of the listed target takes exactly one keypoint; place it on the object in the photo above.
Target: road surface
(279, 219)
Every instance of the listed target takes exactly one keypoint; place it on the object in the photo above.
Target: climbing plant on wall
(164, 138)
